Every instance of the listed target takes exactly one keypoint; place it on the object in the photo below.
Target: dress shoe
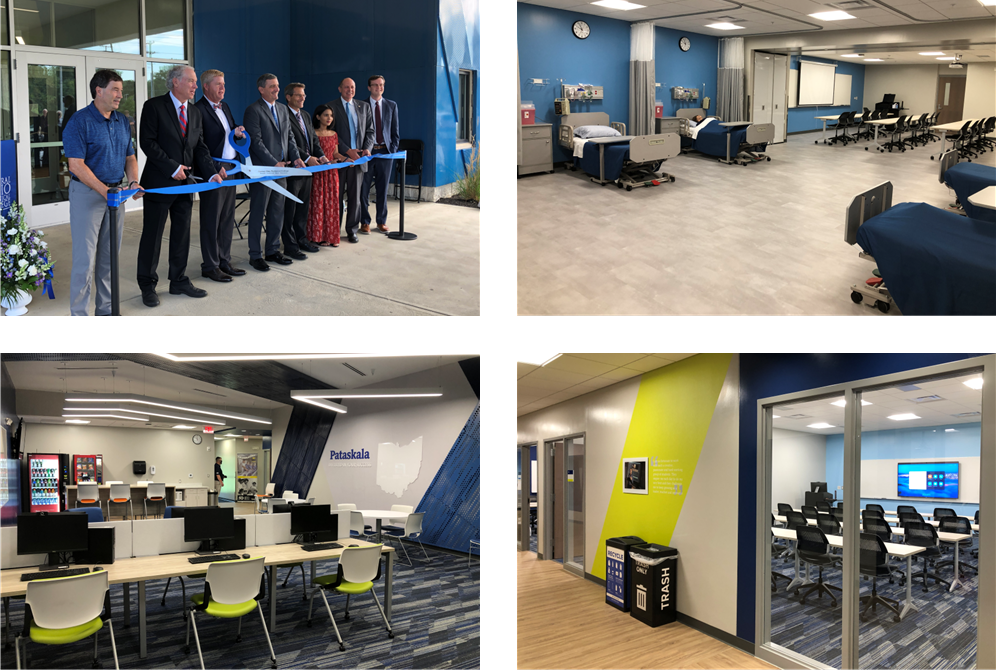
(188, 289)
(352, 239)
(231, 271)
(381, 227)
(307, 245)
(259, 264)
(216, 275)
(297, 255)
(364, 229)
(149, 297)
(278, 258)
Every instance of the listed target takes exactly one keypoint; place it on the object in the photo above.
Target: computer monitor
(52, 534)
(204, 524)
(888, 98)
(818, 487)
(307, 520)
(281, 509)
(237, 541)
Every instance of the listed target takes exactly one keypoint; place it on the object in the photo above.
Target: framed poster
(246, 482)
(635, 475)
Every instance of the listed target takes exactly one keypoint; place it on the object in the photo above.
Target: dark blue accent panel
(765, 375)
(452, 501)
(471, 367)
(802, 118)
(304, 443)
(691, 69)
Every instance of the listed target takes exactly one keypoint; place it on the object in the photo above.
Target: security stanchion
(400, 234)
(113, 192)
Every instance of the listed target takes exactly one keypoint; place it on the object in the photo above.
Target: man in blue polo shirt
(97, 141)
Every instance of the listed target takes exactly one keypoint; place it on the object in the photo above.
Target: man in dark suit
(270, 143)
(171, 137)
(295, 231)
(385, 113)
(217, 207)
(355, 128)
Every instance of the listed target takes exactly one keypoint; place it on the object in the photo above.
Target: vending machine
(46, 481)
(88, 468)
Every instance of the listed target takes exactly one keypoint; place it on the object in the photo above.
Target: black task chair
(943, 512)
(413, 165)
(873, 514)
(776, 576)
(809, 511)
(896, 132)
(921, 534)
(813, 549)
(828, 524)
(872, 523)
(839, 514)
(876, 508)
(910, 509)
(784, 508)
(909, 517)
(976, 519)
(823, 506)
(873, 563)
(841, 129)
(960, 525)
(841, 504)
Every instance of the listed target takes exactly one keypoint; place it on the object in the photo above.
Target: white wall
(438, 421)
(915, 85)
(797, 459)
(980, 94)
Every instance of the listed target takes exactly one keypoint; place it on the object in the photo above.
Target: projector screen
(816, 83)
(928, 480)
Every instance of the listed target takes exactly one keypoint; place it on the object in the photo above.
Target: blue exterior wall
(306, 41)
(457, 48)
(548, 50)
(802, 118)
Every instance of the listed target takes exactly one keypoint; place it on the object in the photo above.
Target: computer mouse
(98, 569)
(245, 555)
(354, 545)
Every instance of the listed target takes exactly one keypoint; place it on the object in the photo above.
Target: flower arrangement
(26, 262)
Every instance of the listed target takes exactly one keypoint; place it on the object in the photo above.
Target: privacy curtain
(641, 79)
(730, 79)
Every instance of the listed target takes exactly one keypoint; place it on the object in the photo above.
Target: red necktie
(377, 122)
(183, 122)
(217, 106)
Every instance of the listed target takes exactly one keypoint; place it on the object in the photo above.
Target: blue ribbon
(116, 199)
(47, 287)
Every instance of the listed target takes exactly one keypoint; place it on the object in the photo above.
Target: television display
(928, 480)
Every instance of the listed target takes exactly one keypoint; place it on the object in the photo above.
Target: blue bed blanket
(712, 140)
(934, 262)
(616, 155)
(967, 179)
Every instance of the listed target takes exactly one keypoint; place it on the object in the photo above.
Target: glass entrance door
(51, 88)
(574, 504)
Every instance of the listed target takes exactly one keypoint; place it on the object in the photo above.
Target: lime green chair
(359, 568)
(232, 589)
(48, 619)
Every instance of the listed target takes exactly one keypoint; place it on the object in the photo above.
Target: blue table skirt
(616, 155)
(967, 179)
(712, 140)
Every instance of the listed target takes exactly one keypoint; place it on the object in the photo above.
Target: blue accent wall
(802, 118)
(452, 502)
(307, 41)
(549, 50)
(765, 375)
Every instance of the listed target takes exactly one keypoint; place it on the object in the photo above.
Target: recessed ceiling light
(186, 358)
(618, 4)
(725, 26)
(903, 417)
(122, 409)
(946, 58)
(976, 383)
(930, 53)
(852, 56)
(76, 421)
(842, 403)
(873, 60)
(776, 416)
(539, 360)
(184, 427)
(369, 393)
(832, 16)
(951, 430)
(156, 402)
(18, 38)
(988, 3)
(110, 416)
(820, 425)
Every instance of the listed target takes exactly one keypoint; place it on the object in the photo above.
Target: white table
(987, 198)
(381, 514)
(824, 120)
(952, 126)
(876, 123)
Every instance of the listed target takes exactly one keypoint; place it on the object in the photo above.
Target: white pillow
(590, 132)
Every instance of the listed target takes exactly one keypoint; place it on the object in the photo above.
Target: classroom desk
(876, 123)
(986, 198)
(825, 119)
(379, 515)
(900, 550)
(953, 126)
(146, 568)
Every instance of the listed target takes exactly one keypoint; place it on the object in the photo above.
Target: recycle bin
(653, 583)
(618, 570)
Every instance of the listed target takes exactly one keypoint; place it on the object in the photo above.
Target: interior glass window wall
(908, 459)
(101, 25)
(164, 29)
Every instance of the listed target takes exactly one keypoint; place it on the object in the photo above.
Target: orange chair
(271, 487)
(121, 494)
(88, 493)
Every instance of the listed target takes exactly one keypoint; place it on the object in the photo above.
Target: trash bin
(653, 577)
(618, 570)
(212, 498)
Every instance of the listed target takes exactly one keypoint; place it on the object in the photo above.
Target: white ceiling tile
(615, 360)
(564, 377)
(583, 366)
(524, 369)
(647, 364)
(619, 374)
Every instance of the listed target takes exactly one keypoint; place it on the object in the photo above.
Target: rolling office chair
(155, 493)
(841, 129)
(940, 512)
(779, 550)
(957, 524)
(359, 568)
(784, 508)
(873, 563)
(776, 576)
(88, 493)
(809, 511)
(908, 517)
(839, 514)
(921, 534)
(959, 138)
(917, 127)
(823, 506)
(975, 553)
(841, 504)
(794, 520)
(876, 508)
(907, 508)
(828, 524)
(47, 619)
(896, 132)
(932, 121)
(878, 526)
(121, 494)
(232, 589)
(412, 531)
(813, 549)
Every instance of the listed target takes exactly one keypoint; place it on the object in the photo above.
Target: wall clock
(196, 439)
(581, 29)
(685, 44)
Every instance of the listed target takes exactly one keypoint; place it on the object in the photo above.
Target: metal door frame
(527, 476)
(578, 570)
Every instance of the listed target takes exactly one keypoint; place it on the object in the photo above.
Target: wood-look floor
(564, 622)
(723, 239)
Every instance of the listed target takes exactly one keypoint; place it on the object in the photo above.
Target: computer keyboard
(321, 546)
(213, 558)
(53, 574)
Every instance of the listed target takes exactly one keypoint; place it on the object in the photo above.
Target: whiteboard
(794, 87)
(843, 90)
(816, 83)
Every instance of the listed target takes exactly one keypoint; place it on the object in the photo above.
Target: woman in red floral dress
(323, 211)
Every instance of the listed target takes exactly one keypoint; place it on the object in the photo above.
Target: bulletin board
(842, 90)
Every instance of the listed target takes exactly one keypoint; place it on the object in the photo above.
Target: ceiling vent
(728, 19)
(799, 416)
(852, 5)
(907, 388)
(963, 415)
(927, 398)
(347, 365)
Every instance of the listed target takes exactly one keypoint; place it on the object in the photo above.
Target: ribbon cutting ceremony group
(302, 169)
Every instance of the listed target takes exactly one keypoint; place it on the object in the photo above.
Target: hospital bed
(935, 262)
(966, 179)
(628, 161)
(735, 142)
